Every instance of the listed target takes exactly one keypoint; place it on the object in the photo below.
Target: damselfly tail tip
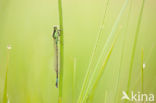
(56, 82)
(56, 85)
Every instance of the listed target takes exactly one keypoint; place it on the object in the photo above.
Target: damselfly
(55, 36)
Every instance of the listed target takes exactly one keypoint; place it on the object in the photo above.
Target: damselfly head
(55, 27)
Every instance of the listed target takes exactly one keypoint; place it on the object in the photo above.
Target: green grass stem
(111, 35)
(74, 80)
(123, 49)
(61, 50)
(5, 93)
(106, 95)
(92, 56)
(142, 71)
(101, 71)
(134, 45)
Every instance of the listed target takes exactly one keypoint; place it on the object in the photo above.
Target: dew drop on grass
(9, 47)
(144, 66)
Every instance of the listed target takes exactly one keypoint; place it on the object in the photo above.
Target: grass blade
(74, 80)
(142, 71)
(122, 51)
(61, 50)
(93, 88)
(92, 55)
(134, 45)
(111, 35)
(5, 94)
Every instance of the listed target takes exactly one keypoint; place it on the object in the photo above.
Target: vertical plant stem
(74, 81)
(61, 50)
(5, 97)
(146, 61)
(86, 79)
(100, 73)
(122, 52)
(142, 68)
(106, 95)
(111, 35)
(134, 45)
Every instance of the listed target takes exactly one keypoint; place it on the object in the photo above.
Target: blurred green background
(27, 25)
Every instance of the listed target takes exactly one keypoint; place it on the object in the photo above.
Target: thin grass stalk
(142, 68)
(113, 86)
(91, 93)
(134, 45)
(111, 35)
(61, 50)
(105, 101)
(5, 94)
(141, 76)
(74, 80)
(5, 97)
(142, 71)
(101, 71)
(150, 53)
(122, 51)
(92, 56)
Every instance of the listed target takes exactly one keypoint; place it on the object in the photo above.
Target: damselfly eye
(55, 27)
